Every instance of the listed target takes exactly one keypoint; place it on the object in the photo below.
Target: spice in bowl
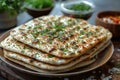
(112, 19)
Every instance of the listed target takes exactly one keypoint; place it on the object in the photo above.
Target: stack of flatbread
(55, 44)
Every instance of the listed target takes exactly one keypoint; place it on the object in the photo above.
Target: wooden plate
(103, 57)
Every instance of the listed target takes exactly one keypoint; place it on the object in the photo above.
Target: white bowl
(75, 13)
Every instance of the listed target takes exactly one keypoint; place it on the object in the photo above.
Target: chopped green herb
(39, 27)
(39, 43)
(78, 28)
(23, 33)
(36, 54)
(73, 47)
(59, 27)
(25, 37)
(26, 47)
(50, 42)
(44, 31)
(70, 20)
(14, 45)
(60, 34)
(22, 51)
(49, 23)
(64, 50)
(51, 33)
(17, 45)
(66, 45)
(29, 27)
(50, 56)
(89, 34)
(35, 33)
(8, 44)
(82, 32)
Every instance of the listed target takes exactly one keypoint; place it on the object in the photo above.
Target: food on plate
(81, 64)
(55, 44)
(56, 35)
(88, 54)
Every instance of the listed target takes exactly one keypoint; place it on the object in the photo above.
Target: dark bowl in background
(114, 28)
(36, 12)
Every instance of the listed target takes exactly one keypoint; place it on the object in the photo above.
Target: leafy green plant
(39, 4)
(11, 6)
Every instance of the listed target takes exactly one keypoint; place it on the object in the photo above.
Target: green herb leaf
(44, 31)
(64, 50)
(50, 56)
(36, 54)
(89, 34)
(59, 28)
(22, 51)
(82, 33)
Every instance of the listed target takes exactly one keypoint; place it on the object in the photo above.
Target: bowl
(113, 27)
(38, 12)
(73, 9)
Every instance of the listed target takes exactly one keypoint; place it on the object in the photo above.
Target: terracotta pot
(7, 21)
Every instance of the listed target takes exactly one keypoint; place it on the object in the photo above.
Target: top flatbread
(60, 36)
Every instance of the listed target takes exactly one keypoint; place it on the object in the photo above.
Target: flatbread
(60, 36)
(55, 44)
(45, 66)
(12, 45)
(81, 64)
(39, 64)
(15, 46)
(100, 48)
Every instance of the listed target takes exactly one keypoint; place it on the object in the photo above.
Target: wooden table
(98, 73)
